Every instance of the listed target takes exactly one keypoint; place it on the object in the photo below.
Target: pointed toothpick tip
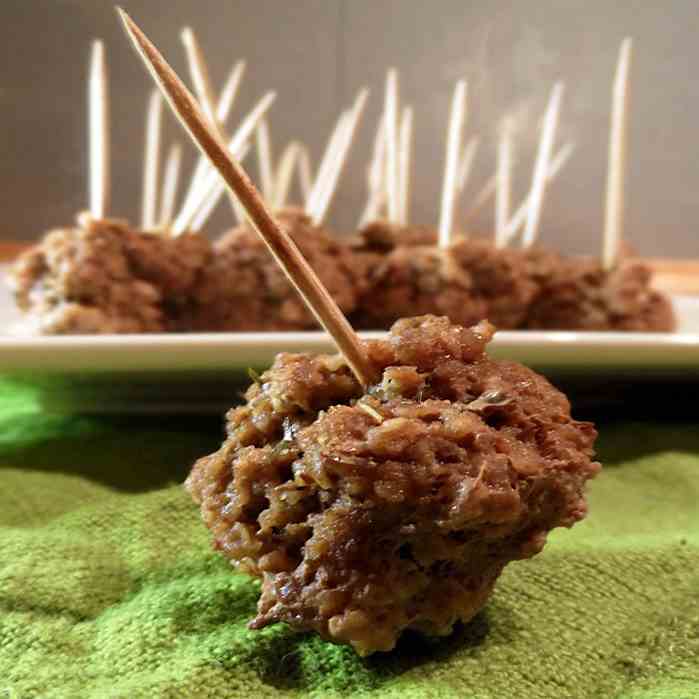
(123, 16)
(325, 168)
(97, 50)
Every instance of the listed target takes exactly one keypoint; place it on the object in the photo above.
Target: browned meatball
(469, 281)
(176, 267)
(501, 278)
(406, 274)
(369, 512)
(419, 280)
(581, 295)
(103, 277)
(244, 288)
(79, 280)
(369, 248)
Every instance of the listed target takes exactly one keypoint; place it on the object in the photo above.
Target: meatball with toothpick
(467, 281)
(583, 295)
(366, 512)
(101, 276)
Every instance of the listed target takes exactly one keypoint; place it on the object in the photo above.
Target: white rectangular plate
(196, 372)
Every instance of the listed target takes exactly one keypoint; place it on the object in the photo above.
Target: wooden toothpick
(391, 129)
(199, 72)
(211, 178)
(482, 198)
(614, 209)
(264, 159)
(151, 160)
(541, 167)
(503, 192)
(340, 156)
(224, 107)
(284, 175)
(404, 157)
(170, 182)
(209, 205)
(557, 164)
(98, 132)
(230, 92)
(376, 177)
(467, 161)
(305, 172)
(279, 243)
(451, 167)
(326, 164)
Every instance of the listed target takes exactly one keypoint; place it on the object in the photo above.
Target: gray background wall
(317, 53)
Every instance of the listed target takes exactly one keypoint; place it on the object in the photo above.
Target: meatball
(469, 281)
(244, 288)
(176, 266)
(580, 294)
(366, 513)
(502, 280)
(541, 264)
(103, 277)
(79, 280)
(369, 248)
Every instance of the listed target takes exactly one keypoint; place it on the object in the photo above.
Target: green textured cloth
(109, 587)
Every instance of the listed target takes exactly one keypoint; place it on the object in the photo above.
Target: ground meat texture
(366, 513)
(103, 277)
(369, 248)
(541, 264)
(501, 278)
(176, 267)
(581, 295)
(245, 289)
(422, 280)
(375, 240)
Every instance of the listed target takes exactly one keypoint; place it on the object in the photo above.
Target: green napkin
(109, 587)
